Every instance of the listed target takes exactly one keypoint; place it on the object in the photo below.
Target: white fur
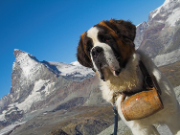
(170, 115)
(93, 34)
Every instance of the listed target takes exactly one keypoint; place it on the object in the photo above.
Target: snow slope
(35, 95)
(73, 70)
(169, 58)
(170, 9)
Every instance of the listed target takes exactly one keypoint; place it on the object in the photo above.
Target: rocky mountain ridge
(159, 36)
(46, 86)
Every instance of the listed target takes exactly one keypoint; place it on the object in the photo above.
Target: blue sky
(50, 29)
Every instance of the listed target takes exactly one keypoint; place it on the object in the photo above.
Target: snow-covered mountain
(73, 71)
(160, 35)
(41, 85)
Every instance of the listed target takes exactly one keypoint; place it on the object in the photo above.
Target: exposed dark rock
(58, 132)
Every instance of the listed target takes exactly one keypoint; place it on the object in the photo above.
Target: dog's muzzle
(98, 57)
(102, 57)
(99, 61)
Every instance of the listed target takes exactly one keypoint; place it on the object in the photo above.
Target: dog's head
(109, 45)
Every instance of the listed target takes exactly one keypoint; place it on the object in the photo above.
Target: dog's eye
(88, 46)
(105, 39)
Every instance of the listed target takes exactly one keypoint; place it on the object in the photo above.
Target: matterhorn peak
(17, 52)
(28, 63)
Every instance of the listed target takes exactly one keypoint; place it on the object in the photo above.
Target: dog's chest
(128, 81)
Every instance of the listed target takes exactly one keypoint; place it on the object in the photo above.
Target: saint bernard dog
(109, 50)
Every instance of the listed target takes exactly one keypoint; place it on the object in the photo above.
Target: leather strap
(149, 80)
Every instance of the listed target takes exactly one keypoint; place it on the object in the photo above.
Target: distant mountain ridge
(159, 37)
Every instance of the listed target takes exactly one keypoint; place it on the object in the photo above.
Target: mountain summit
(168, 13)
(28, 64)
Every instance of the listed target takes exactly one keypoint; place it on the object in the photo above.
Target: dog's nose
(96, 51)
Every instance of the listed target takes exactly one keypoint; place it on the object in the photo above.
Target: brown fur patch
(125, 49)
(82, 56)
(84, 46)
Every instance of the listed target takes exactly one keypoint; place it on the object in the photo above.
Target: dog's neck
(130, 79)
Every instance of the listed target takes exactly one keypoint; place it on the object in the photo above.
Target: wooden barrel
(141, 105)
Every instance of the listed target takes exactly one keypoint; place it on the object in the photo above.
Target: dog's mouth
(115, 71)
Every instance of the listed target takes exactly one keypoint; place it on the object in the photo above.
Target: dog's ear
(81, 55)
(125, 28)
